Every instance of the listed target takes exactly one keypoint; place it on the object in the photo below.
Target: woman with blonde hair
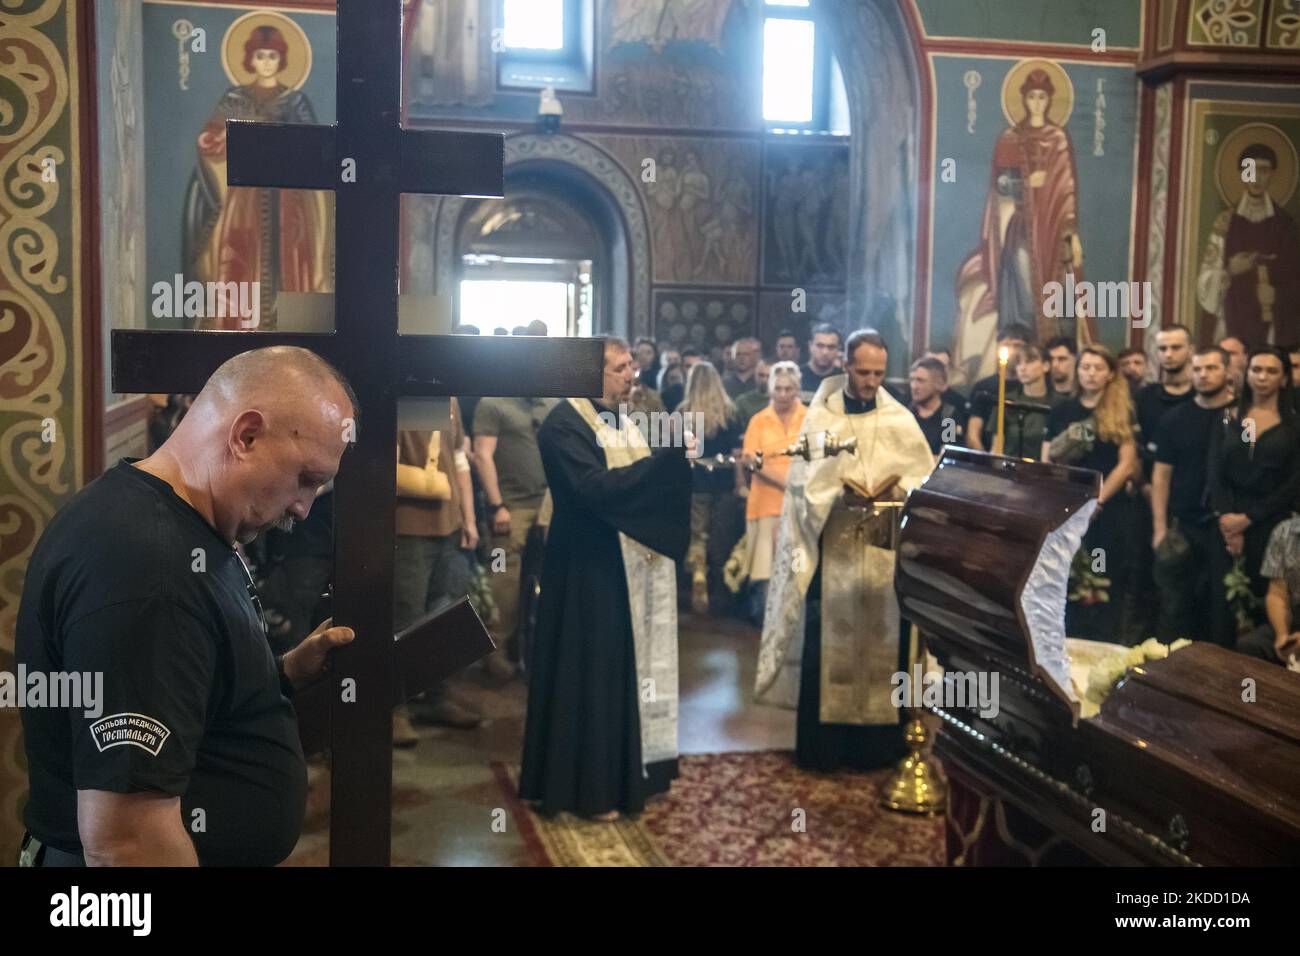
(1094, 429)
(714, 517)
(772, 429)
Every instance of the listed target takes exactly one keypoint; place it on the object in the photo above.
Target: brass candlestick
(918, 784)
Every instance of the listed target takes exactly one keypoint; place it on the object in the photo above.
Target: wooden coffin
(1181, 768)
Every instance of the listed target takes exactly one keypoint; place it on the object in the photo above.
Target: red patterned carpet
(742, 809)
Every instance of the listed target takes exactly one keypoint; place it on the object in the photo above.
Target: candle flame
(1004, 354)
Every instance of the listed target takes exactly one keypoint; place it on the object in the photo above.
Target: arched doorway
(530, 257)
(571, 181)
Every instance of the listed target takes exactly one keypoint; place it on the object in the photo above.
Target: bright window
(788, 47)
(534, 24)
(492, 303)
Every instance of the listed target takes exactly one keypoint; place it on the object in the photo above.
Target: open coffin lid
(984, 559)
(1188, 766)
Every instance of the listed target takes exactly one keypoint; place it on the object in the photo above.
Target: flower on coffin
(1241, 598)
(1108, 671)
(1086, 586)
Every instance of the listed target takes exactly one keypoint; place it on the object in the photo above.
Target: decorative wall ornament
(1224, 23)
(604, 170)
(703, 318)
(1099, 120)
(1159, 209)
(40, 316)
(972, 81)
(1284, 25)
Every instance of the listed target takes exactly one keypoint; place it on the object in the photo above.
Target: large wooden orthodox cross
(382, 365)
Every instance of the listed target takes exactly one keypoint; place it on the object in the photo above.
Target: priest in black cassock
(601, 735)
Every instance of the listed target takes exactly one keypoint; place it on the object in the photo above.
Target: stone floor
(448, 782)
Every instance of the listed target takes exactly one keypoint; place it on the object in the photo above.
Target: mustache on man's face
(283, 523)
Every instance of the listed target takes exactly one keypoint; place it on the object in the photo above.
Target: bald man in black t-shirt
(192, 755)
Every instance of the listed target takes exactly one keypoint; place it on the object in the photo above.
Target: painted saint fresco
(1029, 233)
(702, 202)
(281, 238)
(658, 22)
(1248, 280)
(807, 215)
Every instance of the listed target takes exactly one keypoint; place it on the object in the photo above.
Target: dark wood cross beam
(382, 365)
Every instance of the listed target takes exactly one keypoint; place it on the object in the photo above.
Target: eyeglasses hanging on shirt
(252, 594)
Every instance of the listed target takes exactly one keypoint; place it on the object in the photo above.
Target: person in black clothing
(671, 393)
(646, 355)
(950, 395)
(1061, 353)
(1153, 402)
(583, 749)
(823, 351)
(138, 578)
(1133, 366)
(1095, 430)
(984, 394)
(1189, 557)
(787, 347)
(942, 422)
(1236, 350)
(1026, 426)
(1174, 345)
(1256, 476)
(715, 515)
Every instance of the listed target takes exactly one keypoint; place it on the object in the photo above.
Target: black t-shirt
(1104, 456)
(1152, 404)
(984, 404)
(1182, 440)
(722, 442)
(947, 426)
(131, 582)
(954, 398)
(984, 395)
(811, 381)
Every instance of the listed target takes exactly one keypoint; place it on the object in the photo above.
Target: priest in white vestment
(831, 630)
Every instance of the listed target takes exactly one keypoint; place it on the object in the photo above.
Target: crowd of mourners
(1195, 533)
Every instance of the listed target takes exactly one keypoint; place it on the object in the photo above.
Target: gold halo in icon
(294, 75)
(1228, 164)
(1061, 104)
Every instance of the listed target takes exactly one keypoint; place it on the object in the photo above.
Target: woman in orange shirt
(770, 431)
